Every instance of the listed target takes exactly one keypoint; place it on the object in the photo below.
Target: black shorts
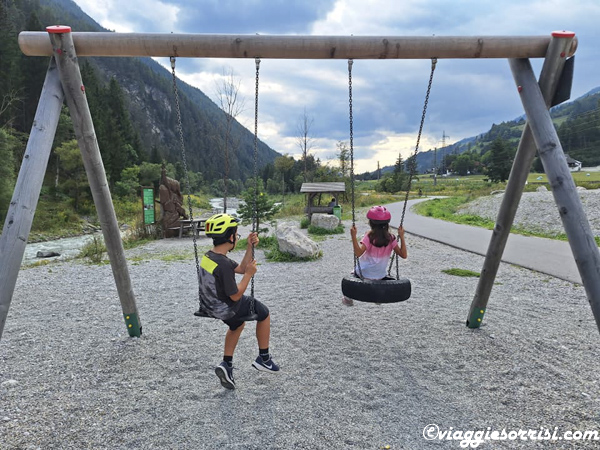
(242, 315)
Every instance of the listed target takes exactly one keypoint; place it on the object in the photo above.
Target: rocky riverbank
(537, 211)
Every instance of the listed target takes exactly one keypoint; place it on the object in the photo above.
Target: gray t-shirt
(224, 275)
(217, 285)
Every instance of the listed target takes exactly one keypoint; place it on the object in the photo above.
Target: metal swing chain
(413, 163)
(350, 62)
(255, 218)
(185, 168)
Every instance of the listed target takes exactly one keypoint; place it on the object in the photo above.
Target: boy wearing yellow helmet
(224, 298)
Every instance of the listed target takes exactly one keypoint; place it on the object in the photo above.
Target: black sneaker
(225, 373)
(265, 366)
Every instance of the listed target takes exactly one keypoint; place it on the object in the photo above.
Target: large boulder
(291, 240)
(41, 254)
(327, 221)
(542, 189)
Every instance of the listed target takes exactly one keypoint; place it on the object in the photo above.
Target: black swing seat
(248, 318)
(376, 291)
(202, 313)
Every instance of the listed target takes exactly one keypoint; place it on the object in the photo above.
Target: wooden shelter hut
(316, 190)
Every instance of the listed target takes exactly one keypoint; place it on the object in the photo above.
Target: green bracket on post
(133, 325)
(476, 317)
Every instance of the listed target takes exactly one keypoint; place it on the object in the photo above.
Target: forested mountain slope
(145, 88)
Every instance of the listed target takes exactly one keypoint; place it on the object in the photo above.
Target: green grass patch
(176, 257)
(276, 255)
(133, 243)
(43, 262)
(445, 209)
(461, 272)
(136, 260)
(473, 185)
(324, 231)
(579, 177)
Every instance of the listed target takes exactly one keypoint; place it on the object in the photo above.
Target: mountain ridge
(150, 101)
(587, 103)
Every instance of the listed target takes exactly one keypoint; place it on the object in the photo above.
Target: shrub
(141, 233)
(324, 231)
(93, 250)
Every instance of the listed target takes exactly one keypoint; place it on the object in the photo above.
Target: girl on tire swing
(376, 246)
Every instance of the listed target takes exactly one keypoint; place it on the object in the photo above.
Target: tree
(120, 137)
(227, 92)
(256, 206)
(463, 164)
(537, 165)
(7, 177)
(150, 174)
(304, 140)
(74, 182)
(343, 155)
(411, 165)
(499, 161)
(11, 90)
(284, 165)
(118, 141)
(33, 72)
(129, 184)
(395, 181)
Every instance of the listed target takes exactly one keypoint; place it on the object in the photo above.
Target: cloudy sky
(466, 98)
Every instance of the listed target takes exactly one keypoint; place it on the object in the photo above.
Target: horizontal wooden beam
(36, 43)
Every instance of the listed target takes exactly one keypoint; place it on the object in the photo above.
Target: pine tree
(11, 91)
(499, 162)
(256, 207)
(7, 178)
(73, 181)
(400, 176)
(32, 72)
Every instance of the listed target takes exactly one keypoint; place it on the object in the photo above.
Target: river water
(233, 203)
(67, 247)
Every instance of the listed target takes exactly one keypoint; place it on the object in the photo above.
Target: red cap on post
(563, 34)
(58, 29)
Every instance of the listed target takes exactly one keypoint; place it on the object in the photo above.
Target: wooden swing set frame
(63, 82)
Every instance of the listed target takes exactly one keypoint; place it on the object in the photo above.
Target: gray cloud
(467, 96)
(246, 17)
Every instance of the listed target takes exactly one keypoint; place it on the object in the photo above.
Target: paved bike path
(547, 256)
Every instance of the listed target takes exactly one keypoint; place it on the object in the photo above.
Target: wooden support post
(553, 66)
(28, 187)
(575, 222)
(74, 91)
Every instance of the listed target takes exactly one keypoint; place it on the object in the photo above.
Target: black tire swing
(389, 289)
(203, 311)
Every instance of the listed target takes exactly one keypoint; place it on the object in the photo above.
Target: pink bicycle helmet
(379, 214)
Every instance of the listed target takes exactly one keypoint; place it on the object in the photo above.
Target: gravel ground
(361, 377)
(537, 211)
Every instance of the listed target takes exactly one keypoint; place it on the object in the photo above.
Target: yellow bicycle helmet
(217, 225)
